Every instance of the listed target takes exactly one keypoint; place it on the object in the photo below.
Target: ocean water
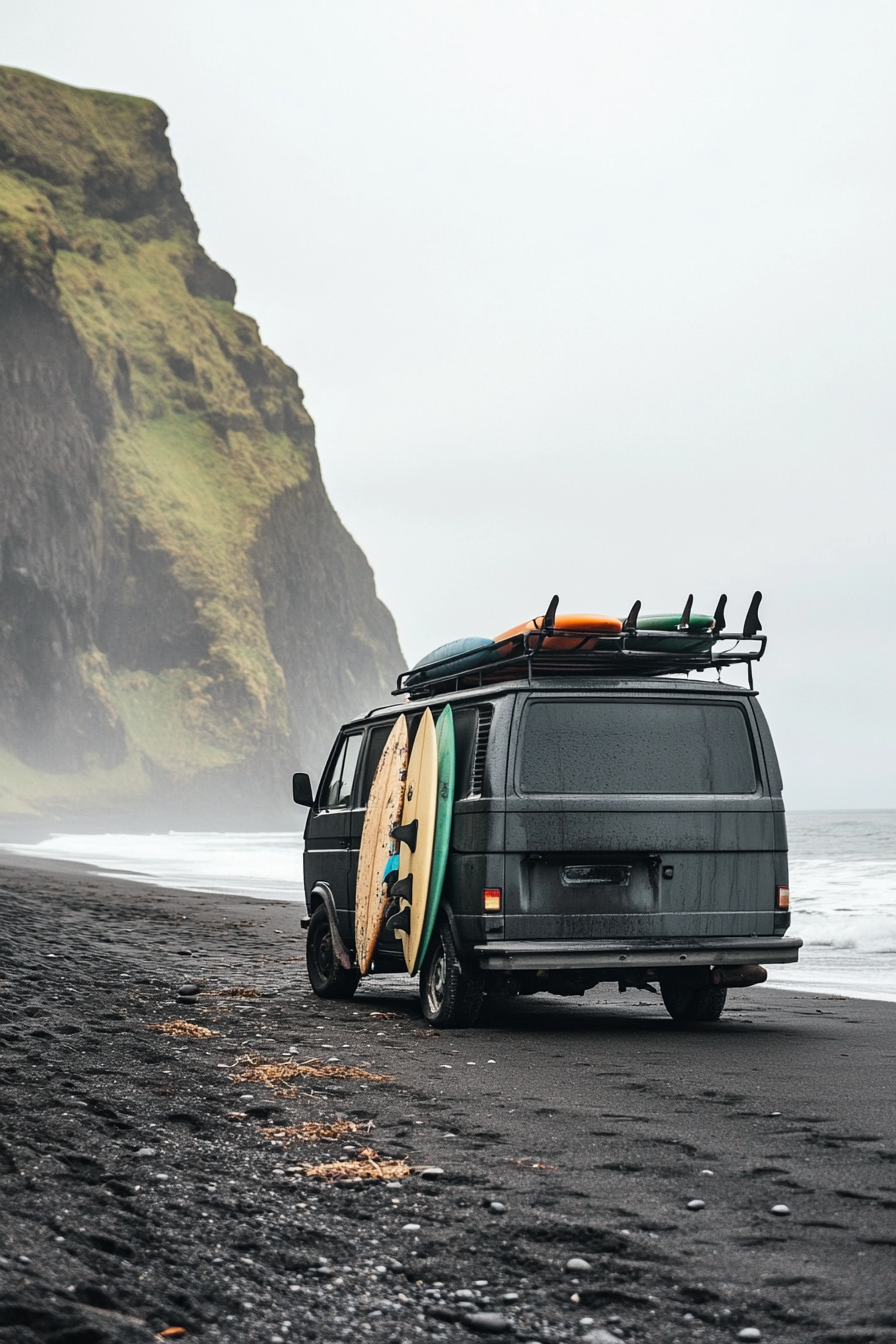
(843, 902)
(262, 864)
(842, 886)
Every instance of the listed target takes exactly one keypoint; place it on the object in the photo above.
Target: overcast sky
(595, 299)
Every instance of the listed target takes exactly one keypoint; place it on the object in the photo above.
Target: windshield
(635, 746)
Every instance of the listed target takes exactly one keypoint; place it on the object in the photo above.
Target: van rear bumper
(614, 954)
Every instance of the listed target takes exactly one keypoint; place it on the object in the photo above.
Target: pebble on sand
(488, 1322)
(749, 1332)
(781, 1210)
(600, 1337)
(695, 1204)
(577, 1263)
(496, 1206)
(188, 991)
(147, 1152)
(411, 1227)
(428, 1174)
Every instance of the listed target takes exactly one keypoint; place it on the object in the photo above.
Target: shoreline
(143, 1193)
(77, 868)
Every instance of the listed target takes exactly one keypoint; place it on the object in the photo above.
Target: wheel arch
(322, 896)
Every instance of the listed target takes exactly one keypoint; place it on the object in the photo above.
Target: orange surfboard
(577, 621)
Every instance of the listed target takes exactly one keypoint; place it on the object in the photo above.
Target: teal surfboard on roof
(457, 656)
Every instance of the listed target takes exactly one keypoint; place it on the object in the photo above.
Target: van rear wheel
(690, 996)
(448, 996)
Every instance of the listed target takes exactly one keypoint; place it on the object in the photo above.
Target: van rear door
(638, 814)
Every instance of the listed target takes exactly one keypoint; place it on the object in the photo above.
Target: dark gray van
(621, 828)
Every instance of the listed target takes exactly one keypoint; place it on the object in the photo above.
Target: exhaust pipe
(738, 977)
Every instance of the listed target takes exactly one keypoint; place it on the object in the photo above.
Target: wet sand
(592, 1121)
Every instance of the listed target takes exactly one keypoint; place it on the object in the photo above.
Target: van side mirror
(302, 792)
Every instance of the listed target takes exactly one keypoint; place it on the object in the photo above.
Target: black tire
(449, 996)
(328, 979)
(690, 996)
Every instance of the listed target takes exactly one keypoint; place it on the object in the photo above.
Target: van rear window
(635, 746)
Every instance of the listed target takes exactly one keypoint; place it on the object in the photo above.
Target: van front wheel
(328, 979)
(448, 996)
(690, 996)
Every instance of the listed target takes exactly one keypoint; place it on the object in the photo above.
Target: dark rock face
(180, 606)
(319, 601)
(145, 619)
(51, 416)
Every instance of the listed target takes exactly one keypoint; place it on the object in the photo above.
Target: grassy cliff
(197, 440)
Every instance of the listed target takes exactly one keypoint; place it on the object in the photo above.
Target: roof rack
(551, 652)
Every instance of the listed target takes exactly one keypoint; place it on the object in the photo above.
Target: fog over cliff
(183, 616)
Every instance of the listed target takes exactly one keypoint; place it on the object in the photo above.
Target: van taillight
(491, 900)
(782, 898)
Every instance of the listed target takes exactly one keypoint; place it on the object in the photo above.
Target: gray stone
(696, 1204)
(577, 1263)
(411, 1227)
(600, 1337)
(749, 1332)
(188, 991)
(497, 1207)
(147, 1152)
(488, 1322)
(432, 1173)
(438, 1311)
(781, 1210)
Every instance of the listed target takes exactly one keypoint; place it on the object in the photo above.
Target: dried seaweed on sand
(178, 1027)
(272, 1072)
(312, 1131)
(367, 1166)
(239, 992)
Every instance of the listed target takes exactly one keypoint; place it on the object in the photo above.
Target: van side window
(336, 790)
(466, 722)
(376, 740)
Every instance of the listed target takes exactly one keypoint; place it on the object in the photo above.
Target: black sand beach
(140, 1194)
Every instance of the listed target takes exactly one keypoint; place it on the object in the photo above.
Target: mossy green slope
(204, 428)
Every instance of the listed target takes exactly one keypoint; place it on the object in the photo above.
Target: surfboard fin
(548, 619)
(751, 621)
(718, 620)
(401, 922)
(685, 621)
(406, 835)
(631, 620)
(403, 889)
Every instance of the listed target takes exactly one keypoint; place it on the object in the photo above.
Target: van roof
(559, 685)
